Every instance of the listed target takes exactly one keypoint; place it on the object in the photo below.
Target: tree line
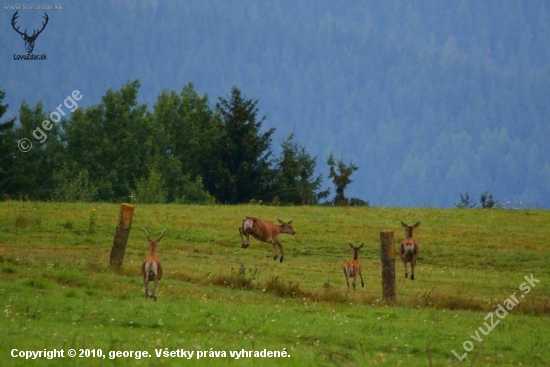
(183, 151)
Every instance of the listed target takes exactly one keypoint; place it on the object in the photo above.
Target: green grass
(58, 292)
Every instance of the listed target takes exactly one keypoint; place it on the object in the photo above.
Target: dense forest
(429, 99)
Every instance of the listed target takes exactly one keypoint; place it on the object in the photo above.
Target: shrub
(79, 188)
(486, 200)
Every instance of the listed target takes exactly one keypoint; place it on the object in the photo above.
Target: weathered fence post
(387, 253)
(121, 235)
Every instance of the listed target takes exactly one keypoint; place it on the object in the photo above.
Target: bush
(486, 201)
(149, 189)
(193, 192)
(77, 189)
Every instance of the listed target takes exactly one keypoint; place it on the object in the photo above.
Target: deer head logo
(29, 40)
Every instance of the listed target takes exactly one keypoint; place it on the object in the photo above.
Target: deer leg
(244, 244)
(155, 288)
(146, 287)
(346, 275)
(362, 283)
(281, 251)
(406, 272)
(275, 254)
(413, 264)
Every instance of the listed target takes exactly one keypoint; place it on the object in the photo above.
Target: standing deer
(352, 268)
(151, 270)
(408, 249)
(29, 40)
(266, 232)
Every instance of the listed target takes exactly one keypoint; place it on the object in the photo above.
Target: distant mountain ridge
(430, 99)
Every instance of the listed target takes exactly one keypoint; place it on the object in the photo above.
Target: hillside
(429, 99)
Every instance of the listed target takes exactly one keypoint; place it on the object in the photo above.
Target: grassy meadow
(58, 292)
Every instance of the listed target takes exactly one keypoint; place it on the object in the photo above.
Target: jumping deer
(352, 268)
(29, 40)
(265, 232)
(151, 270)
(408, 249)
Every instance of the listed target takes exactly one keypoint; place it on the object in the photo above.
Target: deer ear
(361, 245)
(161, 235)
(350, 245)
(290, 222)
(147, 234)
(280, 221)
(416, 225)
(403, 224)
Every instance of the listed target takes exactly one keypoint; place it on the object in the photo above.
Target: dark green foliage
(357, 202)
(31, 175)
(465, 202)
(244, 169)
(183, 152)
(294, 182)
(486, 200)
(193, 192)
(341, 179)
(112, 141)
(187, 134)
(74, 188)
(149, 188)
(7, 150)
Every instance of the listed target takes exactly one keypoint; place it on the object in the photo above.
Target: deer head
(286, 227)
(29, 40)
(153, 244)
(356, 250)
(409, 229)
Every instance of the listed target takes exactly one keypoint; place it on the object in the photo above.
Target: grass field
(58, 292)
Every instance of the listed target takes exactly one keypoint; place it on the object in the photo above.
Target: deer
(409, 249)
(29, 40)
(151, 270)
(265, 232)
(352, 268)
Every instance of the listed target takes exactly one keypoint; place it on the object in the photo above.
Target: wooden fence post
(387, 253)
(121, 235)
